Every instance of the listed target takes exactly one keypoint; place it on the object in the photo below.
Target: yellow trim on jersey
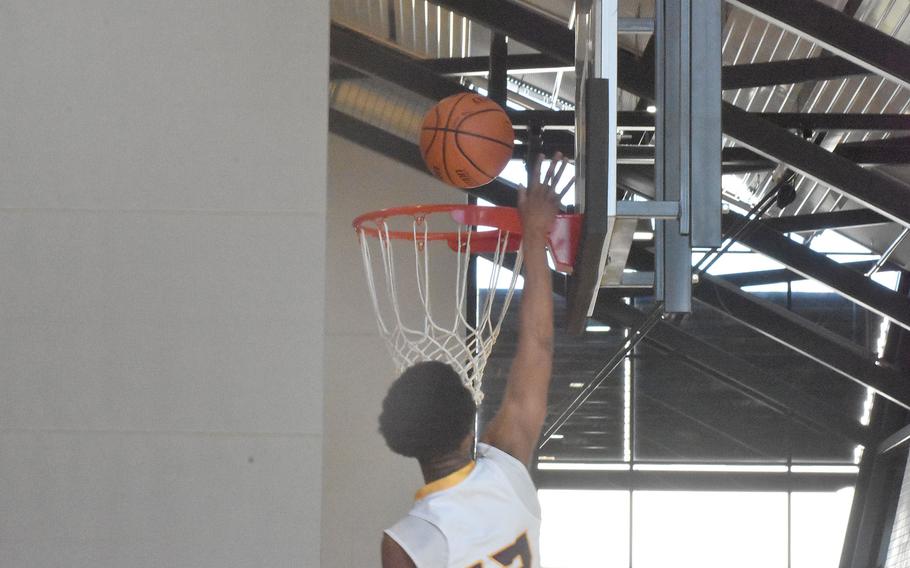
(446, 482)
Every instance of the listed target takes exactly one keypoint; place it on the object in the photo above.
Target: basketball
(466, 140)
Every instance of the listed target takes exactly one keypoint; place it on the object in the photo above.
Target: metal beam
(803, 260)
(632, 120)
(741, 159)
(359, 52)
(777, 395)
(749, 75)
(548, 118)
(543, 34)
(480, 65)
(895, 440)
(893, 142)
(813, 341)
(691, 481)
(876, 152)
(824, 121)
(742, 76)
(884, 195)
(849, 218)
(732, 158)
(780, 275)
(340, 72)
(839, 33)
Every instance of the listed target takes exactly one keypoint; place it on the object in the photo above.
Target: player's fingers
(559, 172)
(548, 179)
(567, 187)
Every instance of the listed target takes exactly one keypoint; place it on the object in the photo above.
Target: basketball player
(483, 512)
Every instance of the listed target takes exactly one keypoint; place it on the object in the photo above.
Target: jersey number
(518, 550)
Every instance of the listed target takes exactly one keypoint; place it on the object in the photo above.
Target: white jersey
(483, 516)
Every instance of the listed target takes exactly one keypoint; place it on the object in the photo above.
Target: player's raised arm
(516, 427)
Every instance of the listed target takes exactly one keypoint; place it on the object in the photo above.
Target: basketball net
(446, 337)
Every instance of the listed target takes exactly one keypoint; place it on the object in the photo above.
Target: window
(698, 529)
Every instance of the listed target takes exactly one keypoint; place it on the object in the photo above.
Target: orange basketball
(466, 140)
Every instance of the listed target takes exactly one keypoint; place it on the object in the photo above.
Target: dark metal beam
(813, 341)
(564, 141)
(790, 120)
(760, 277)
(884, 195)
(893, 142)
(779, 396)
(824, 121)
(359, 52)
(497, 84)
(741, 76)
(887, 151)
(895, 440)
(516, 63)
(897, 349)
(521, 118)
(733, 158)
(692, 481)
(839, 33)
(785, 72)
(546, 35)
(407, 153)
(803, 260)
(849, 218)
(340, 72)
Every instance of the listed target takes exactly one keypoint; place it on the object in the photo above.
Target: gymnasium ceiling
(748, 377)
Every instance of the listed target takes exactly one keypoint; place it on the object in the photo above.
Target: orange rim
(506, 234)
(502, 218)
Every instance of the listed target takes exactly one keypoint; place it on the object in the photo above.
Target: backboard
(595, 24)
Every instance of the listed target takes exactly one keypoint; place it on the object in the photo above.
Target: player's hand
(539, 204)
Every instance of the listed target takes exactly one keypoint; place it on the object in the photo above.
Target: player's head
(427, 412)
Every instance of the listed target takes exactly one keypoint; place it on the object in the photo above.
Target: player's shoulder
(514, 472)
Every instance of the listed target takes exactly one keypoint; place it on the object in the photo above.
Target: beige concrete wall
(162, 210)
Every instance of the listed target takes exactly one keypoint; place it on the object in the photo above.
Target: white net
(447, 337)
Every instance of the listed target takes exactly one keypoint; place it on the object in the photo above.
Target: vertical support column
(535, 144)
(705, 124)
(876, 494)
(878, 486)
(673, 261)
(499, 54)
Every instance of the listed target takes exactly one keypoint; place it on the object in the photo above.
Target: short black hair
(427, 412)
